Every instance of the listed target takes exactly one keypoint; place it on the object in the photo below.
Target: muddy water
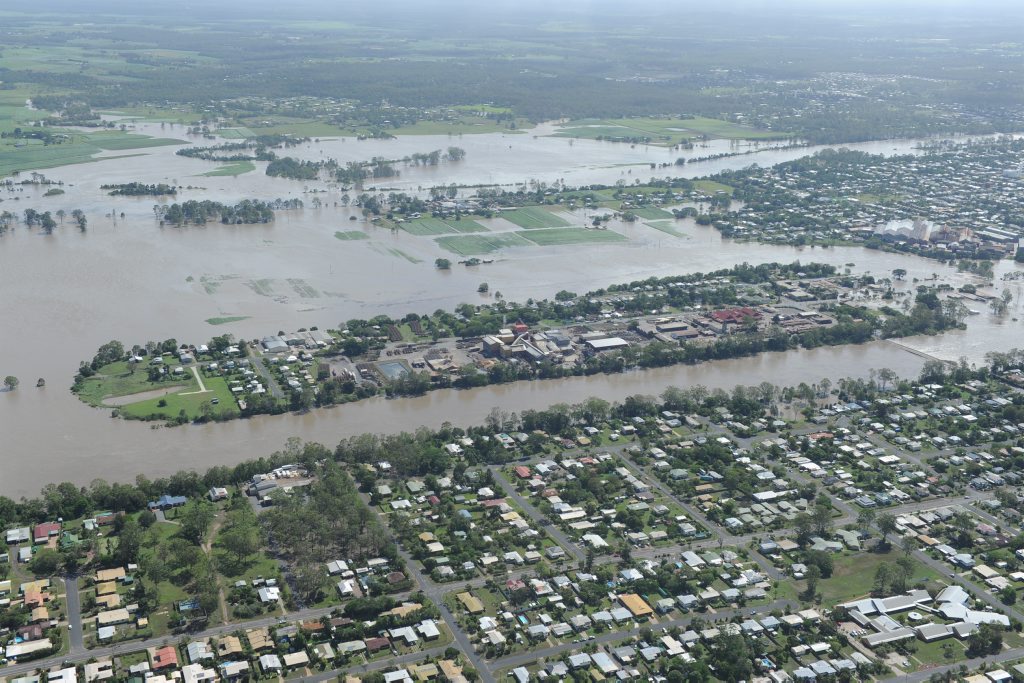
(81, 444)
(129, 279)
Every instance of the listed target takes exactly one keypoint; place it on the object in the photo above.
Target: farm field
(475, 245)
(429, 226)
(532, 217)
(560, 236)
(26, 155)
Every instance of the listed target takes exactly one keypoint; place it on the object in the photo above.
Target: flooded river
(129, 279)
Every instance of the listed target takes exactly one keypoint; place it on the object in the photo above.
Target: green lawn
(854, 575)
(934, 654)
(558, 236)
(116, 380)
(531, 217)
(235, 169)
(475, 245)
(351, 235)
(191, 403)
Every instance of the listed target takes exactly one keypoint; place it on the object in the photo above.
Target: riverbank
(83, 445)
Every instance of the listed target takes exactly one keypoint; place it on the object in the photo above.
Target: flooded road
(129, 279)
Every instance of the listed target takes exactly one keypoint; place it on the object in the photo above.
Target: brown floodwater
(129, 279)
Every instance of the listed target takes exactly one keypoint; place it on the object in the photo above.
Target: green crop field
(426, 226)
(475, 245)
(429, 226)
(560, 236)
(351, 235)
(532, 217)
(465, 225)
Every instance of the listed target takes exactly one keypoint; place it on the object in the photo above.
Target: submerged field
(666, 132)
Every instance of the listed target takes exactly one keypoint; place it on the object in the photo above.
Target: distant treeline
(246, 211)
(139, 189)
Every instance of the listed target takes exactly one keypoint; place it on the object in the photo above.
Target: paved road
(535, 515)
(520, 659)
(399, 661)
(136, 645)
(435, 592)
(75, 635)
(261, 369)
(971, 664)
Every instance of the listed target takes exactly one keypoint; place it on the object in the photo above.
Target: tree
(803, 525)
(241, 541)
(813, 575)
(987, 640)
(483, 288)
(887, 525)
(866, 519)
(822, 517)
(11, 382)
(442, 264)
(45, 562)
(129, 541)
(196, 519)
(899, 273)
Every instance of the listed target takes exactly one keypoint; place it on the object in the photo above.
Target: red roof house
(165, 657)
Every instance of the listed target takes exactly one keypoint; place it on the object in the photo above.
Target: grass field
(711, 186)
(351, 235)
(854, 575)
(663, 131)
(475, 245)
(651, 213)
(429, 226)
(560, 236)
(235, 169)
(116, 380)
(532, 217)
(226, 319)
(189, 402)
